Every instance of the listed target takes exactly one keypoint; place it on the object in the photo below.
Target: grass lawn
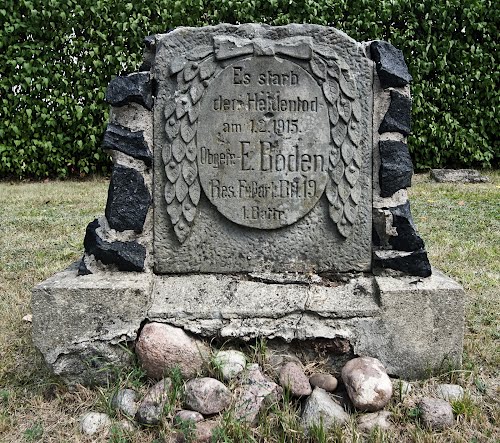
(43, 226)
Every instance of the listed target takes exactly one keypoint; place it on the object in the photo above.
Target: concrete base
(413, 325)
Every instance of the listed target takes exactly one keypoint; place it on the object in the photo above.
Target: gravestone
(258, 191)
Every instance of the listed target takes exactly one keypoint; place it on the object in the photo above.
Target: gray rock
(410, 263)
(125, 400)
(457, 176)
(126, 426)
(204, 431)
(230, 363)
(398, 116)
(390, 63)
(324, 381)
(436, 413)
(368, 422)
(449, 392)
(320, 408)
(185, 415)
(128, 200)
(251, 395)
(151, 408)
(292, 376)
(400, 389)
(396, 167)
(129, 142)
(94, 422)
(206, 395)
(367, 383)
(135, 87)
(127, 256)
(162, 347)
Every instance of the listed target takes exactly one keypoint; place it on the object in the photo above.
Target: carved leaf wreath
(182, 189)
(343, 190)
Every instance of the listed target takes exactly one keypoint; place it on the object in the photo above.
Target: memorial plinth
(259, 191)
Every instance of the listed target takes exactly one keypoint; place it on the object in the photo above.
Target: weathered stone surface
(396, 168)
(93, 422)
(251, 395)
(391, 66)
(127, 256)
(135, 87)
(449, 392)
(128, 200)
(151, 408)
(436, 413)
(326, 382)
(230, 363)
(204, 431)
(410, 263)
(124, 140)
(125, 400)
(368, 422)
(367, 383)
(457, 176)
(162, 348)
(398, 116)
(202, 215)
(185, 415)
(407, 238)
(292, 377)
(206, 395)
(400, 389)
(321, 409)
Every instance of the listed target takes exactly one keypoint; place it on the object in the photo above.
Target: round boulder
(206, 395)
(367, 383)
(292, 377)
(324, 381)
(162, 347)
(230, 363)
(436, 413)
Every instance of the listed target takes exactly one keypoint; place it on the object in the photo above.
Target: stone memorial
(259, 190)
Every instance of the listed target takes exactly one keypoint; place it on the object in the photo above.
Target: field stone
(230, 363)
(204, 431)
(436, 413)
(293, 377)
(457, 176)
(206, 395)
(449, 392)
(400, 388)
(162, 347)
(125, 400)
(321, 408)
(255, 388)
(186, 414)
(367, 383)
(324, 381)
(93, 422)
(126, 426)
(372, 420)
(151, 407)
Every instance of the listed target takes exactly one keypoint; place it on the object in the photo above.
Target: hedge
(57, 57)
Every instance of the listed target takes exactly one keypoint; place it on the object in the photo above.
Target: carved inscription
(263, 142)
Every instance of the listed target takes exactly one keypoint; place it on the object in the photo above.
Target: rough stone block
(127, 256)
(398, 116)
(396, 168)
(407, 238)
(131, 143)
(391, 65)
(457, 176)
(132, 88)
(128, 200)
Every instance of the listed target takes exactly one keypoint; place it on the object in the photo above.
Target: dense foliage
(57, 57)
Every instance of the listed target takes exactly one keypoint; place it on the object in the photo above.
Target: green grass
(43, 225)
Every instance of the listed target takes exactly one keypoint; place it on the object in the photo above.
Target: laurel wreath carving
(182, 188)
(343, 190)
(194, 72)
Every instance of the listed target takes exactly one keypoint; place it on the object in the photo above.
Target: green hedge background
(57, 57)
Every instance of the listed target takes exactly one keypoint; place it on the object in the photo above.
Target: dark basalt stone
(411, 263)
(128, 200)
(131, 143)
(149, 53)
(396, 167)
(82, 268)
(127, 256)
(390, 63)
(398, 116)
(407, 238)
(131, 88)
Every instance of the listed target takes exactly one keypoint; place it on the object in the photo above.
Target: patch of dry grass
(43, 226)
